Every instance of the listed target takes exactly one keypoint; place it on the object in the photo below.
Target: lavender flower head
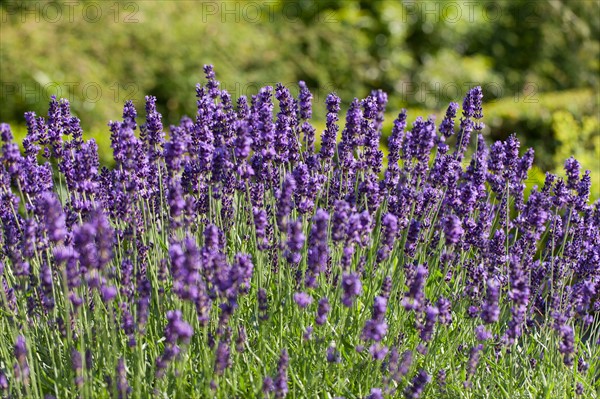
(318, 248)
(281, 383)
(322, 311)
(352, 287)
(302, 299)
(452, 229)
(417, 385)
(414, 298)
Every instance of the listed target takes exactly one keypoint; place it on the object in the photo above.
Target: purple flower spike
(330, 133)
(431, 314)
(177, 331)
(453, 229)
(352, 288)
(444, 307)
(390, 230)
(491, 311)
(447, 125)
(50, 209)
(281, 382)
(318, 248)
(122, 385)
(302, 299)
(295, 243)
(305, 101)
(482, 334)
(417, 385)
(376, 393)
(322, 311)
(414, 298)
(22, 365)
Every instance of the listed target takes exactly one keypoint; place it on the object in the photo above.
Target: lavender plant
(230, 257)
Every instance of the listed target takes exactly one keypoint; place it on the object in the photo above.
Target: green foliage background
(537, 61)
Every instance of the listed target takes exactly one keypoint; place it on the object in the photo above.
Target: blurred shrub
(423, 53)
(580, 139)
(531, 117)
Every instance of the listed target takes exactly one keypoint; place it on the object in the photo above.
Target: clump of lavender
(426, 262)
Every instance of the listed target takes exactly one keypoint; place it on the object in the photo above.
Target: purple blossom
(376, 327)
(519, 294)
(390, 230)
(395, 146)
(330, 133)
(295, 242)
(441, 378)
(3, 382)
(417, 385)
(333, 355)
(378, 351)
(285, 201)
(412, 237)
(305, 101)
(222, 360)
(307, 335)
(352, 287)
(404, 365)
(77, 365)
(452, 229)
(261, 224)
(573, 170)
(122, 385)
(318, 248)
(339, 221)
(447, 126)
(263, 304)
(482, 334)
(302, 299)
(177, 331)
(51, 210)
(185, 266)
(152, 130)
(21, 367)
(281, 382)
(490, 311)
(431, 314)
(322, 311)
(474, 356)
(415, 298)
(566, 344)
(444, 307)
